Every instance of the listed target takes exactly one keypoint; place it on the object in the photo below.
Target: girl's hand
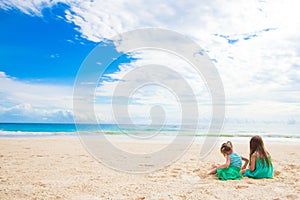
(214, 166)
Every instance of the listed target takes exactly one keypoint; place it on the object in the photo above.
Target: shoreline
(197, 138)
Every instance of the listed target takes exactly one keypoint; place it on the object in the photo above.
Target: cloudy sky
(254, 44)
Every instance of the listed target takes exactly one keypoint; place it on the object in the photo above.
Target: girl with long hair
(260, 165)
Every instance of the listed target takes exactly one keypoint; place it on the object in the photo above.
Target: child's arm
(252, 162)
(225, 165)
(246, 162)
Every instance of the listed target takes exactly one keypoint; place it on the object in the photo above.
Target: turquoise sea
(273, 130)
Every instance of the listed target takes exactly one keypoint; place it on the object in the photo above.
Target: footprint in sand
(277, 173)
(196, 170)
(292, 166)
(241, 186)
(292, 196)
(41, 184)
(176, 170)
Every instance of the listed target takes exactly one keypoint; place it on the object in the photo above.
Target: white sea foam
(22, 133)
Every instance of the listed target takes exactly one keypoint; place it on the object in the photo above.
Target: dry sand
(61, 168)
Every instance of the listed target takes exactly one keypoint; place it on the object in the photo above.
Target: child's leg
(243, 171)
(213, 171)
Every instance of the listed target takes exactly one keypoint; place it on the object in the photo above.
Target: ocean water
(51, 129)
(229, 130)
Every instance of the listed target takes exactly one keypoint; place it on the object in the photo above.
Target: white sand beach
(60, 168)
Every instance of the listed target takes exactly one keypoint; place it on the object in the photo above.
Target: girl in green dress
(231, 169)
(260, 160)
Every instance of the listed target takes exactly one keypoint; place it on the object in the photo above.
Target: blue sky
(253, 44)
(46, 49)
(46, 52)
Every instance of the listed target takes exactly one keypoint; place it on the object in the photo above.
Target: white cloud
(32, 7)
(55, 55)
(150, 86)
(261, 68)
(23, 101)
(25, 112)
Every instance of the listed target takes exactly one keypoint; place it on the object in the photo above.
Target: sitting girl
(231, 169)
(260, 160)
